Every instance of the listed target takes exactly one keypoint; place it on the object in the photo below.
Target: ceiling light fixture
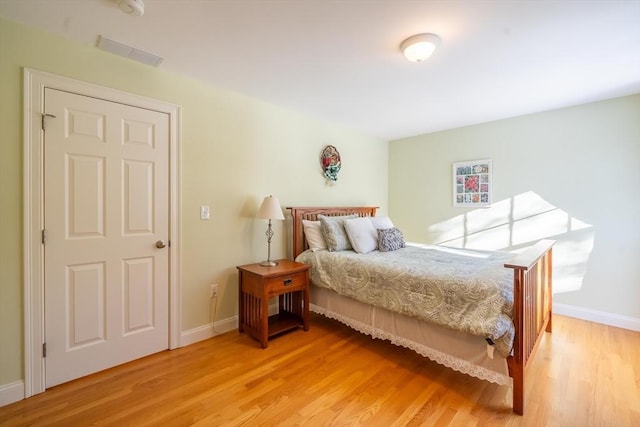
(420, 47)
(132, 7)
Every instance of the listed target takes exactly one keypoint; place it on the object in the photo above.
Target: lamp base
(268, 263)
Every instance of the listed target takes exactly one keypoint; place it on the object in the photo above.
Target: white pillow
(335, 236)
(381, 222)
(362, 235)
(313, 233)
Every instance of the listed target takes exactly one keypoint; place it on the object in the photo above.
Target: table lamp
(270, 209)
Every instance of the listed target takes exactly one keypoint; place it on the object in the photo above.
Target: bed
(529, 289)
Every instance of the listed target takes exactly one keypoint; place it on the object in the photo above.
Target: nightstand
(289, 281)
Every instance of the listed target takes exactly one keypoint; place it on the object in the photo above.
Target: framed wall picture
(472, 183)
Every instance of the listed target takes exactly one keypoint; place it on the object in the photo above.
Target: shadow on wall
(517, 222)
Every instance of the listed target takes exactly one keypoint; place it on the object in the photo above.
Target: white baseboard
(220, 327)
(11, 392)
(611, 319)
(208, 331)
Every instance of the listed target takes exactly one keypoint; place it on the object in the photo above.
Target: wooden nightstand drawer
(289, 283)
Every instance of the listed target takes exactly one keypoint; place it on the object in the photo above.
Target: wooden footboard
(532, 292)
(532, 303)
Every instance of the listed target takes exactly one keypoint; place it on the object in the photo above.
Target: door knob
(161, 244)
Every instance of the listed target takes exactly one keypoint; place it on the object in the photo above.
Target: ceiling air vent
(128, 51)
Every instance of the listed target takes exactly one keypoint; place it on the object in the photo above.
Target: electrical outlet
(213, 290)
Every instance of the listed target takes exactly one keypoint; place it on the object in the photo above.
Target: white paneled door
(106, 201)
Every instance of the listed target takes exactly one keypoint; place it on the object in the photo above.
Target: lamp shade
(270, 209)
(420, 47)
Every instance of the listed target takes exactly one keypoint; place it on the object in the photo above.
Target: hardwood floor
(586, 375)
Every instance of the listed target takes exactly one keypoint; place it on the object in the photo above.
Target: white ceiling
(340, 60)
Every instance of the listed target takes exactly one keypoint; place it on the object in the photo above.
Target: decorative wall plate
(330, 161)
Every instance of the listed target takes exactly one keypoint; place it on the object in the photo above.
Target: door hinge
(44, 349)
(44, 116)
(44, 237)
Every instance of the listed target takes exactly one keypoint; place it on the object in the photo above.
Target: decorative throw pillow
(362, 235)
(390, 239)
(314, 236)
(381, 222)
(334, 233)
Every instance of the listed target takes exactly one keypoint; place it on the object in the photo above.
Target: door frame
(35, 83)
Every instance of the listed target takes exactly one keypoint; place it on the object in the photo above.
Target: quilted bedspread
(465, 290)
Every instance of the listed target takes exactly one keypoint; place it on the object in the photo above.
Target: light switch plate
(204, 212)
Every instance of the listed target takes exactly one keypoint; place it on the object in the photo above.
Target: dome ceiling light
(420, 47)
(132, 7)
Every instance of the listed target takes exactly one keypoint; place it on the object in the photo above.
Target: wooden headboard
(311, 214)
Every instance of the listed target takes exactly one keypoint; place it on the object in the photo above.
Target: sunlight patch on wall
(517, 222)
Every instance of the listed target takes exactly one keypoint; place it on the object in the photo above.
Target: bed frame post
(516, 362)
(548, 275)
(532, 304)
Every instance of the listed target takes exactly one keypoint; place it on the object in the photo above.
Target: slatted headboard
(311, 214)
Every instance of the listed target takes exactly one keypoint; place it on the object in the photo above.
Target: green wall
(571, 174)
(235, 151)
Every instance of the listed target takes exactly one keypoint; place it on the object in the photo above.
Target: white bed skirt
(456, 350)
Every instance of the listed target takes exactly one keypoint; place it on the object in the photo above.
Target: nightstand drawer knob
(287, 282)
